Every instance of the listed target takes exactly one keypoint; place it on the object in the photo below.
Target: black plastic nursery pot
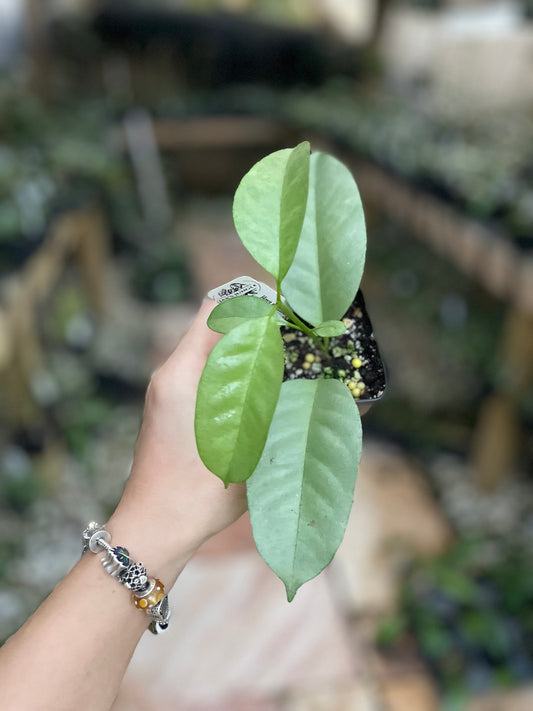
(352, 358)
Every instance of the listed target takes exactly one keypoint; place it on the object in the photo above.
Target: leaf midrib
(303, 472)
(241, 419)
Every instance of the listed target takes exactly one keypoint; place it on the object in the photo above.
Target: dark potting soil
(353, 358)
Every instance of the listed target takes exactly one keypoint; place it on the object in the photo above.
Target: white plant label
(243, 286)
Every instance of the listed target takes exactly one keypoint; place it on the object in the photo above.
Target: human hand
(172, 503)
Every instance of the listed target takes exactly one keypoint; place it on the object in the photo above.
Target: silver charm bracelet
(148, 593)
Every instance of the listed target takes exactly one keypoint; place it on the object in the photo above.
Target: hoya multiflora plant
(297, 443)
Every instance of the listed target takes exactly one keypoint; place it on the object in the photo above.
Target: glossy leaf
(327, 268)
(301, 493)
(269, 207)
(237, 397)
(329, 329)
(232, 312)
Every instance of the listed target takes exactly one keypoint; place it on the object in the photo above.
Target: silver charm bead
(90, 529)
(161, 611)
(160, 615)
(158, 627)
(134, 577)
(94, 541)
(116, 560)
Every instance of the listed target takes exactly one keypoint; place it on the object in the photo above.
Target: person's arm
(73, 652)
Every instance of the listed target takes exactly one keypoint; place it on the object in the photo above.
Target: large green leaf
(269, 207)
(232, 312)
(237, 396)
(301, 493)
(327, 268)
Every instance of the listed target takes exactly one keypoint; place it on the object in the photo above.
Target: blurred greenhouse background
(125, 127)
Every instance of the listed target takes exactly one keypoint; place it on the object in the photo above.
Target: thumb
(198, 342)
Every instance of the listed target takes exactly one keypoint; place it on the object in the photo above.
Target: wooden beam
(210, 132)
(82, 235)
(498, 436)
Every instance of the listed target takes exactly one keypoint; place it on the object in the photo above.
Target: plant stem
(294, 318)
(289, 324)
(297, 323)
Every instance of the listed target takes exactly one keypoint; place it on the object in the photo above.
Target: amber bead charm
(152, 598)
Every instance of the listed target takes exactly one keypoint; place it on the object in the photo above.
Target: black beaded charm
(134, 577)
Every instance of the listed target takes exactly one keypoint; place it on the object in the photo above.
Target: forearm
(73, 652)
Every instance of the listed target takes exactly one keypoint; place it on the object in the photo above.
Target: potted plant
(278, 398)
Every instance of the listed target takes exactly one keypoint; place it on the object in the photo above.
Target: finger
(199, 334)
(199, 340)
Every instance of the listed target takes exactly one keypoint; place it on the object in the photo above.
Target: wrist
(148, 541)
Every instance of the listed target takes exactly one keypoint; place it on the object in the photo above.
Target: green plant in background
(477, 164)
(162, 274)
(470, 611)
(301, 218)
(18, 493)
(425, 4)
(53, 157)
(528, 8)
